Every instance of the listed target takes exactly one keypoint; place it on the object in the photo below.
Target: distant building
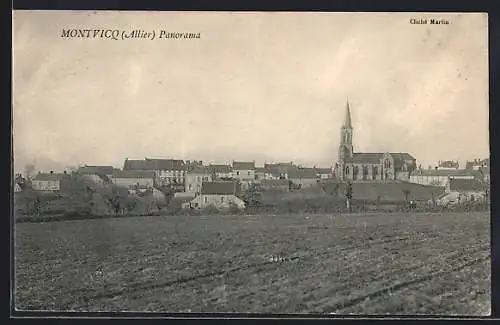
(167, 171)
(128, 178)
(275, 184)
(369, 166)
(324, 173)
(477, 164)
(195, 177)
(97, 174)
(221, 171)
(467, 186)
(304, 177)
(219, 194)
(448, 165)
(278, 170)
(437, 177)
(244, 172)
(48, 182)
(260, 174)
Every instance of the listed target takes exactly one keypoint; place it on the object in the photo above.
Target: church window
(347, 169)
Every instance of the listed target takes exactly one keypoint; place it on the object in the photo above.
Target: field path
(371, 264)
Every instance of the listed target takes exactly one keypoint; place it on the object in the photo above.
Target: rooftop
(220, 188)
(243, 165)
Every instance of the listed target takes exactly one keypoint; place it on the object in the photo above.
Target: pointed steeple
(347, 121)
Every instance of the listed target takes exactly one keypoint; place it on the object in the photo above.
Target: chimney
(65, 173)
(436, 168)
(52, 172)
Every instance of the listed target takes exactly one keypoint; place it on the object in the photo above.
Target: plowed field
(342, 264)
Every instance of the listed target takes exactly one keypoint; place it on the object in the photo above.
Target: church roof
(365, 157)
(375, 157)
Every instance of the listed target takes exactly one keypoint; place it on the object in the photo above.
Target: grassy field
(342, 264)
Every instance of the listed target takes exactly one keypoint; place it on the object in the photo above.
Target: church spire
(347, 121)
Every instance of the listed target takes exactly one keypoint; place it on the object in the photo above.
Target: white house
(441, 177)
(278, 170)
(195, 177)
(128, 178)
(219, 194)
(48, 182)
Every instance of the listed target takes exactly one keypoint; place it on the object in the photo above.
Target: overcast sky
(255, 86)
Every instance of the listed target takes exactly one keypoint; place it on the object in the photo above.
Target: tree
(348, 195)
(29, 171)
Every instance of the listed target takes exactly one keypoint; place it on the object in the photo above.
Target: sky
(255, 86)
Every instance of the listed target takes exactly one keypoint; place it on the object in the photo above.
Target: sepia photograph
(299, 163)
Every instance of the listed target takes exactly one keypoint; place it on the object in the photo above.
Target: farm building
(127, 178)
(49, 182)
(219, 194)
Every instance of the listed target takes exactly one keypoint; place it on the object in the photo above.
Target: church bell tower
(346, 148)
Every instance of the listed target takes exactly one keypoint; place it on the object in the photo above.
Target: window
(189, 187)
(206, 199)
(221, 199)
(347, 169)
(248, 173)
(238, 173)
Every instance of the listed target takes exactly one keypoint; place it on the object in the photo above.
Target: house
(195, 177)
(477, 164)
(441, 177)
(49, 182)
(219, 194)
(260, 174)
(221, 172)
(167, 171)
(324, 173)
(278, 170)
(275, 184)
(127, 178)
(244, 171)
(448, 165)
(304, 177)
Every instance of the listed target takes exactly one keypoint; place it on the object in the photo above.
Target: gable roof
(219, 168)
(465, 185)
(134, 164)
(365, 157)
(103, 170)
(219, 187)
(49, 177)
(243, 165)
(167, 164)
(275, 182)
(134, 174)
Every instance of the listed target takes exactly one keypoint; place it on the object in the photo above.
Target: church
(369, 166)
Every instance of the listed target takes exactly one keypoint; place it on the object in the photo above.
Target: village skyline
(275, 95)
